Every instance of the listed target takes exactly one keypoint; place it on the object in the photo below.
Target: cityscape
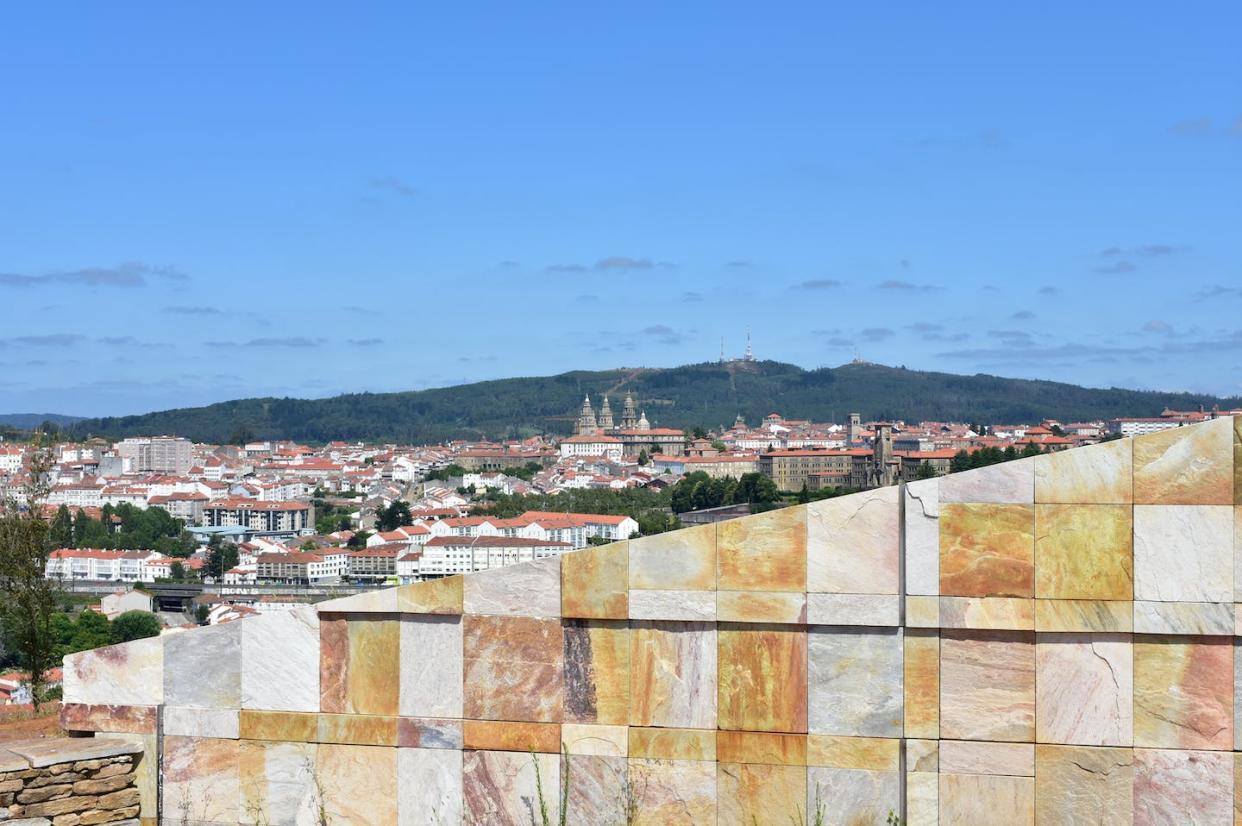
(373, 515)
(641, 414)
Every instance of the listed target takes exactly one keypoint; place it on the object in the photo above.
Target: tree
(643, 458)
(200, 614)
(61, 534)
(221, 556)
(91, 630)
(358, 540)
(177, 571)
(926, 471)
(241, 435)
(756, 489)
(393, 516)
(804, 495)
(135, 625)
(28, 597)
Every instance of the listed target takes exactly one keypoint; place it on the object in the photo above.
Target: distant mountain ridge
(25, 421)
(708, 394)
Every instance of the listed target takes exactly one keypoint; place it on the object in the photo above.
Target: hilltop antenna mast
(750, 355)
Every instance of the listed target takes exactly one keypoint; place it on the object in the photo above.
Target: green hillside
(698, 394)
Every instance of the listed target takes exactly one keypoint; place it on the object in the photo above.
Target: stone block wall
(1049, 640)
(69, 782)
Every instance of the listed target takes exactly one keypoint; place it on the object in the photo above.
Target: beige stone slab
(690, 606)
(923, 756)
(40, 753)
(1183, 618)
(1084, 551)
(974, 757)
(683, 560)
(596, 741)
(922, 537)
(988, 613)
(529, 589)
(1084, 615)
(1084, 689)
(987, 686)
(754, 793)
(922, 612)
(764, 552)
(921, 683)
(852, 543)
(1185, 465)
(1094, 474)
(762, 606)
(131, 673)
(843, 752)
(986, 799)
(1006, 483)
(1183, 553)
(922, 800)
(1183, 692)
(1179, 786)
(1081, 784)
(201, 722)
(595, 582)
(672, 792)
(854, 609)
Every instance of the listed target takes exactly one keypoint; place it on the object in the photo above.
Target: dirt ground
(21, 723)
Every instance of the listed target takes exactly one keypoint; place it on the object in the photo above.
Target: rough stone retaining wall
(69, 782)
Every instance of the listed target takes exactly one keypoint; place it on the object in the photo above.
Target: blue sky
(207, 201)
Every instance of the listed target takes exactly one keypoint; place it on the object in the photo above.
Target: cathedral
(589, 424)
(633, 431)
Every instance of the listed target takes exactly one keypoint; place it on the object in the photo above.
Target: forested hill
(698, 394)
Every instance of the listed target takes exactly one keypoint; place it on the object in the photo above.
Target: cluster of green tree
(697, 491)
(524, 472)
(990, 456)
(394, 516)
(442, 474)
(699, 394)
(805, 495)
(331, 518)
(649, 508)
(92, 630)
(222, 556)
(138, 529)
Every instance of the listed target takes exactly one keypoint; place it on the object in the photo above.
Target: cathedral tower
(586, 419)
(605, 416)
(629, 416)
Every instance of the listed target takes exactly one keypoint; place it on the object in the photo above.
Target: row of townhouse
(92, 564)
(573, 529)
(396, 562)
(449, 555)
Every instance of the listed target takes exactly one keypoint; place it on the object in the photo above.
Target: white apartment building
(266, 517)
(593, 445)
(77, 495)
(113, 566)
(157, 454)
(1139, 426)
(11, 458)
(448, 555)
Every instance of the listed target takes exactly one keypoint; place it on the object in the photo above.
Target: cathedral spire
(629, 416)
(586, 419)
(605, 416)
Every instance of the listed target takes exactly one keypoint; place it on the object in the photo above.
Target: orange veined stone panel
(987, 550)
